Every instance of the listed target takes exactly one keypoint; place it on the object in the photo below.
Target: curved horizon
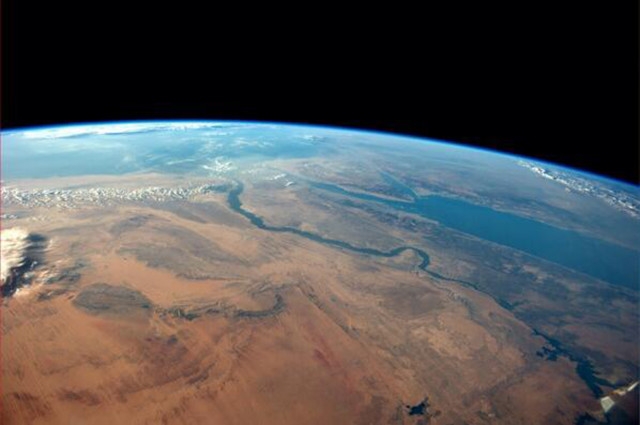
(591, 174)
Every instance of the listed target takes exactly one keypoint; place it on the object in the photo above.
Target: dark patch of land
(184, 252)
(201, 212)
(63, 281)
(254, 314)
(129, 224)
(102, 298)
(80, 396)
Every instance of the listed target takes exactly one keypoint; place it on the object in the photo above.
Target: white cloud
(13, 246)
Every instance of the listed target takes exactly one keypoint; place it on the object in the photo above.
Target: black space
(552, 81)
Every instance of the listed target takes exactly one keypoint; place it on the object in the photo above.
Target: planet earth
(261, 273)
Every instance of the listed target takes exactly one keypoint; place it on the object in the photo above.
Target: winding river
(236, 205)
(584, 367)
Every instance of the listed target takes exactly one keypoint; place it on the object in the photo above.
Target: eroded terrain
(304, 290)
(179, 314)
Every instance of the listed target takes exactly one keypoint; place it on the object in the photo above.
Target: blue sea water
(603, 260)
(153, 148)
